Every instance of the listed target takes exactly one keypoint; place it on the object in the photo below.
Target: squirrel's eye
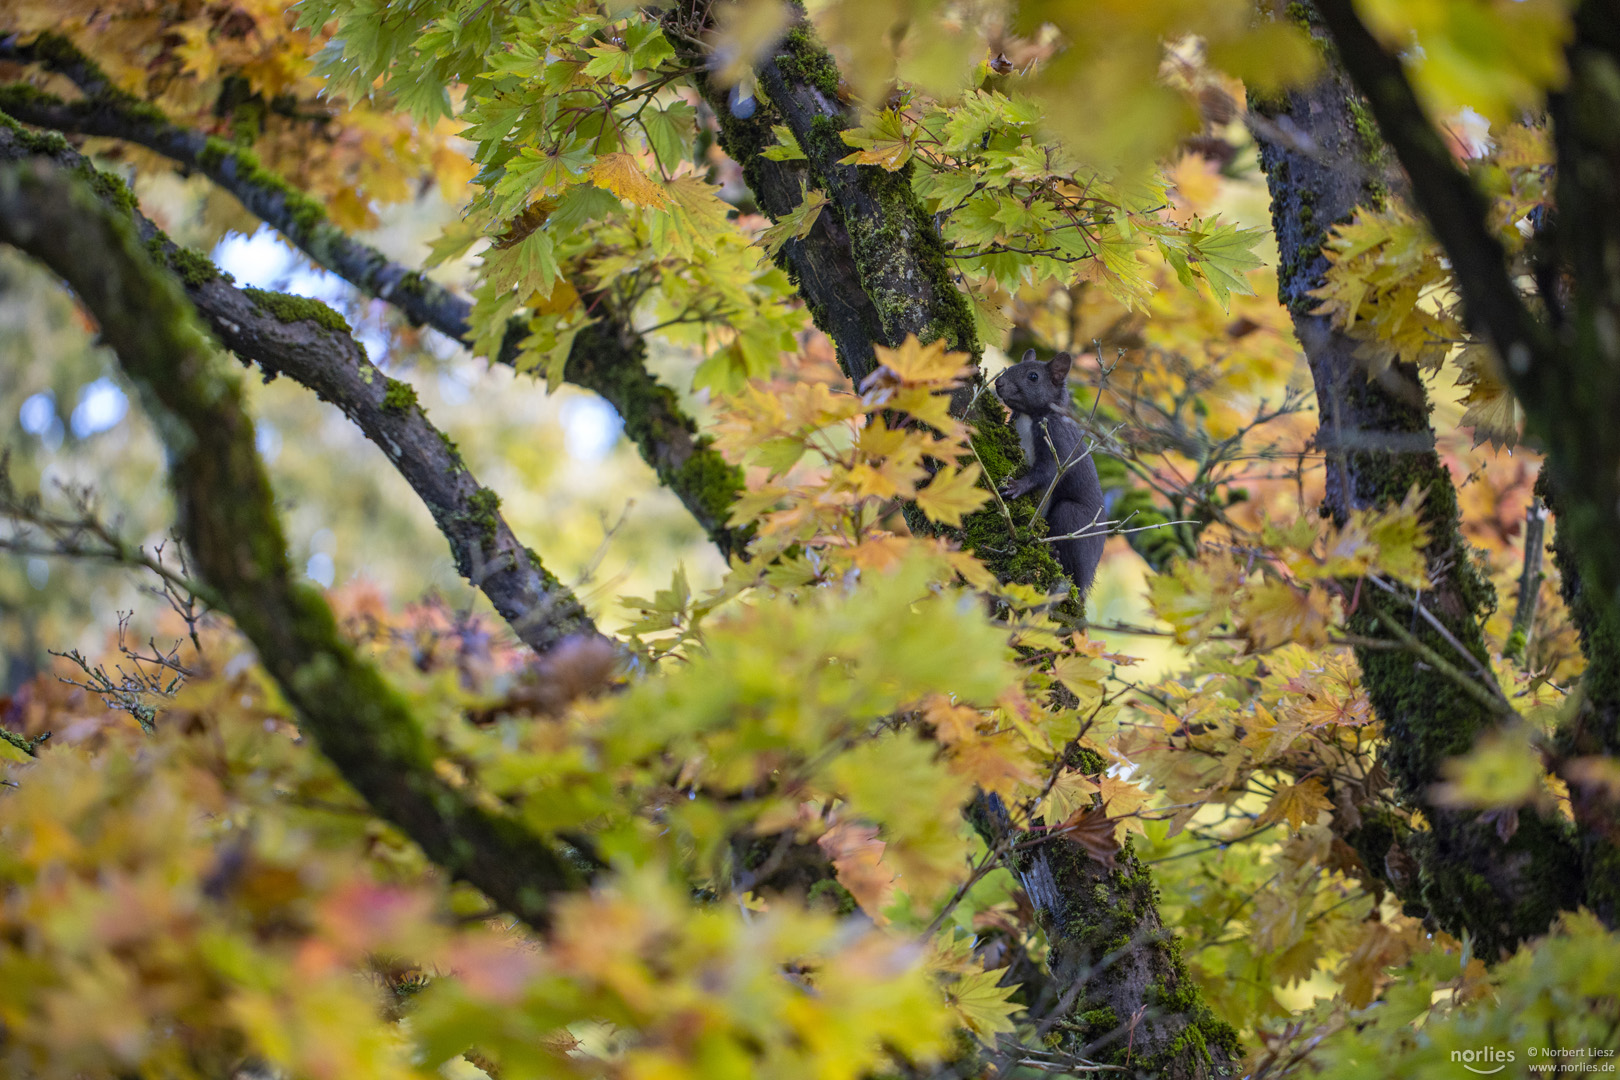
(1032, 376)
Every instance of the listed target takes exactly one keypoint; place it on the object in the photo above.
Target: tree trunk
(1378, 446)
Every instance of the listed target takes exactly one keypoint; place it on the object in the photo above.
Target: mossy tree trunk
(1561, 354)
(1378, 445)
(872, 272)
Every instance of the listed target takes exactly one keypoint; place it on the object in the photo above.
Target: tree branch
(311, 344)
(607, 358)
(228, 519)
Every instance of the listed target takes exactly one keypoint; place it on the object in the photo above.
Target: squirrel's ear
(1029, 354)
(1058, 367)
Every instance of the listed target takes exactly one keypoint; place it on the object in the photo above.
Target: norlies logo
(1484, 1062)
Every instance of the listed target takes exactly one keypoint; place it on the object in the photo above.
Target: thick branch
(1470, 879)
(311, 344)
(606, 359)
(822, 265)
(228, 519)
(1125, 997)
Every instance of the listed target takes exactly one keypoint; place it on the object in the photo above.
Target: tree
(881, 800)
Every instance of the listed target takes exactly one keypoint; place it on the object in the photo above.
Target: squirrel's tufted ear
(1029, 354)
(1058, 367)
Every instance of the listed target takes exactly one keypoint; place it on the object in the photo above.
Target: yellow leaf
(884, 142)
(1274, 612)
(1491, 409)
(745, 33)
(951, 494)
(795, 225)
(983, 1005)
(619, 173)
(1083, 676)
(952, 723)
(1195, 596)
(914, 362)
(1071, 792)
(1298, 804)
(1121, 797)
(987, 764)
(1502, 770)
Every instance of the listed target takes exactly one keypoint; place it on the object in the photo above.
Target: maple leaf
(619, 173)
(1273, 612)
(883, 141)
(1298, 804)
(1093, 830)
(984, 1006)
(1082, 675)
(1196, 595)
(1070, 793)
(857, 857)
(952, 493)
(1492, 409)
(989, 765)
(1380, 946)
(952, 723)
(796, 224)
(914, 362)
(1502, 770)
(1121, 797)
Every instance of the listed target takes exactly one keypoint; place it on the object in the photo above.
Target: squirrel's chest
(1024, 424)
(1034, 432)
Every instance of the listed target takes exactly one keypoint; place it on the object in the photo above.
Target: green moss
(1100, 1021)
(828, 892)
(290, 309)
(304, 214)
(1372, 140)
(412, 284)
(804, 59)
(483, 508)
(453, 450)
(399, 396)
(709, 485)
(23, 97)
(192, 267)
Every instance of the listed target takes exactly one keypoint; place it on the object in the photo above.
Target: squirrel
(1038, 397)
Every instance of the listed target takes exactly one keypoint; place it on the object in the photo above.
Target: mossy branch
(311, 344)
(228, 521)
(607, 359)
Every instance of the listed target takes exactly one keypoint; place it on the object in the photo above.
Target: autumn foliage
(873, 793)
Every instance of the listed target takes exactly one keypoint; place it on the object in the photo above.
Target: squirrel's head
(1031, 387)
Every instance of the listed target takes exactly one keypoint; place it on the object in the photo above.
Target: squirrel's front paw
(1014, 489)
